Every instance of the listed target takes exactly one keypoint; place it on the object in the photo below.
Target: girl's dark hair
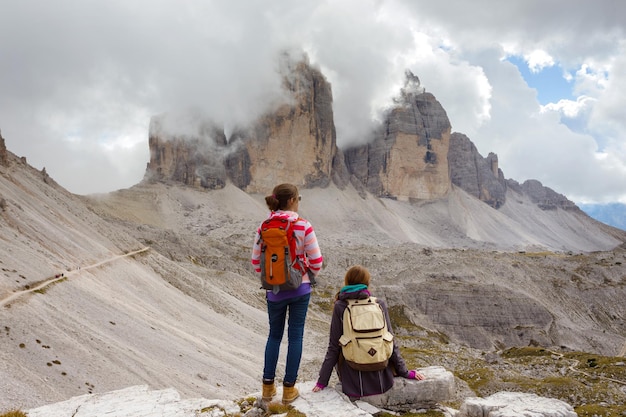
(357, 275)
(282, 193)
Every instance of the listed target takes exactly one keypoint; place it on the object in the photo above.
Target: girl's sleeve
(312, 250)
(256, 253)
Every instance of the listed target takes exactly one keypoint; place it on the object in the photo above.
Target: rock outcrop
(466, 312)
(133, 401)
(406, 394)
(296, 143)
(140, 401)
(478, 176)
(4, 157)
(482, 178)
(545, 197)
(408, 158)
(412, 155)
(193, 158)
(513, 404)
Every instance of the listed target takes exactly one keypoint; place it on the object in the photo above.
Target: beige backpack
(366, 342)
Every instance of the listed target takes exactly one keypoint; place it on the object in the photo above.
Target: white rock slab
(135, 401)
(513, 404)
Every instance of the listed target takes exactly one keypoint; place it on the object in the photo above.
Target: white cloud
(611, 111)
(538, 60)
(570, 108)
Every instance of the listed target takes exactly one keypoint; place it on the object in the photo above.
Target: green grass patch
(478, 379)
(521, 352)
(280, 408)
(399, 318)
(324, 299)
(14, 413)
(598, 365)
(595, 410)
(542, 254)
(43, 290)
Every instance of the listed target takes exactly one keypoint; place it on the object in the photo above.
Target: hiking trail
(7, 300)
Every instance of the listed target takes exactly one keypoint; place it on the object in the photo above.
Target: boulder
(410, 394)
(512, 404)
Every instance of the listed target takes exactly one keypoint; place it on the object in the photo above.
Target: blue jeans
(277, 312)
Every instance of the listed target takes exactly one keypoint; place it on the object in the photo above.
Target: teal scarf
(353, 288)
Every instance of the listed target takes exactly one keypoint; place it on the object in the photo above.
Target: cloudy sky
(541, 83)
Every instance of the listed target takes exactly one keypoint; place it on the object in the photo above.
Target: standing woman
(283, 203)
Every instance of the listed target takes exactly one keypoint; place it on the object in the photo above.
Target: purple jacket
(358, 383)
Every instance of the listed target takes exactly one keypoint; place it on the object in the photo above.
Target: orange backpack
(281, 269)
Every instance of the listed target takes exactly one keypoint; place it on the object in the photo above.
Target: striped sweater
(307, 248)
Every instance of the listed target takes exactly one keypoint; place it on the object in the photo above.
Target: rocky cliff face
(545, 197)
(482, 178)
(478, 176)
(408, 158)
(192, 159)
(412, 156)
(296, 143)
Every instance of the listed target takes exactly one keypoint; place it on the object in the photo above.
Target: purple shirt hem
(304, 288)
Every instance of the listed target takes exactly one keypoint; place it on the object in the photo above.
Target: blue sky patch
(549, 82)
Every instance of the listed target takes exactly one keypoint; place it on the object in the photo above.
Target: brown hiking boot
(269, 390)
(290, 394)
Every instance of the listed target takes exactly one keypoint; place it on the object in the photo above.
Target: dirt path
(7, 300)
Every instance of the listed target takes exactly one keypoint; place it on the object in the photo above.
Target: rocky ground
(498, 309)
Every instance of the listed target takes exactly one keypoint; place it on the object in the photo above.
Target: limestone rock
(4, 158)
(410, 394)
(412, 155)
(408, 158)
(546, 198)
(512, 404)
(296, 143)
(478, 176)
(134, 401)
(194, 157)
(480, 315)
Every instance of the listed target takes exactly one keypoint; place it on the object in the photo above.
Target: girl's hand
(318, 387)
(415, 375)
